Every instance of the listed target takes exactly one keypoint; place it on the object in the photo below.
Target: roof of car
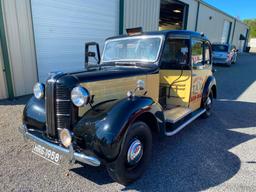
(166, 33)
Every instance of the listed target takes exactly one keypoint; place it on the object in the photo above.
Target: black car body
(117, 104)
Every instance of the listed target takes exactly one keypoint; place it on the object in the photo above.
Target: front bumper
(70, 153)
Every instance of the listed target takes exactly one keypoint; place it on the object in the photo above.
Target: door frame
(3, 88)
(7, 75)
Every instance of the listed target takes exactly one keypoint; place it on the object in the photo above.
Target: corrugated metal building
(38, 37)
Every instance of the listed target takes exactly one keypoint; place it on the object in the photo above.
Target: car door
(201, 69)
(175, 72)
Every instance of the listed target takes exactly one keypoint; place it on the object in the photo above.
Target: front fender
(102, 129)
(34, 114)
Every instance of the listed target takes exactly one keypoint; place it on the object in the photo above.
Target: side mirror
(89, 54)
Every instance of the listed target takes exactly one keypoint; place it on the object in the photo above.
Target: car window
(197, 53)
(220, 48)
(207, 53)
(175, 54)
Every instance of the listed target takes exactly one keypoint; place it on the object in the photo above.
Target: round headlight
(80, 96)
(38, 90)
(65, 137)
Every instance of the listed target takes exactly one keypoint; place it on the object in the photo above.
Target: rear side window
(175, 54)
(197, 52)
(207, 53)
(220, 48)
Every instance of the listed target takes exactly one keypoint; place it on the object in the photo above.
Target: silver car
(224, 54)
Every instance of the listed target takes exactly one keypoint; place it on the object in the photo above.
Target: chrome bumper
(70, 153)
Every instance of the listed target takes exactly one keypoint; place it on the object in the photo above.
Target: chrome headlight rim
(38, 90)
(80, 96)
(65, 137)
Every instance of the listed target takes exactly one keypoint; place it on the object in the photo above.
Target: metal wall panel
(63, 27)
(20, 41)
(211, 22)
(142, 13)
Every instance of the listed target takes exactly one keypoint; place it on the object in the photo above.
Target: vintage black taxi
(143, 85)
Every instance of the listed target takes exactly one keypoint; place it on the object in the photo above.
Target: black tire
(234, 60)
(208, 106)
(120, 170)
(229, 64)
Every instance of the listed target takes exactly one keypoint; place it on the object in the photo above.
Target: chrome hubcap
(135, 152)
(208, 103)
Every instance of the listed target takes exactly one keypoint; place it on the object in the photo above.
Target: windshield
(220, 48)
(141, 49)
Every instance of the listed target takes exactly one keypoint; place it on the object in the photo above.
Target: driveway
(216, 154)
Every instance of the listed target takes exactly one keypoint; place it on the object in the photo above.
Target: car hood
(111, 72)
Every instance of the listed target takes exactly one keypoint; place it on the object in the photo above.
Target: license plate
(47, 154)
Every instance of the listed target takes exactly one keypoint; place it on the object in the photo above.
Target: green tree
(252, 25)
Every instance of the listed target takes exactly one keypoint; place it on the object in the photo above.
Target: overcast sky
(244, 9)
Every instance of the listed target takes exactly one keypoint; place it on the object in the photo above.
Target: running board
(178, 129)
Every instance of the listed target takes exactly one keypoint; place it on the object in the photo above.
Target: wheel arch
(214, 91)
(150, 120)
(209, 86)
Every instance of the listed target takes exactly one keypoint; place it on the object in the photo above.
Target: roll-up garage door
(62, 27)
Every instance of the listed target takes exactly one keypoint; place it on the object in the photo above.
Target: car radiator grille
(63, 107)
(50, 111)
(58, 108)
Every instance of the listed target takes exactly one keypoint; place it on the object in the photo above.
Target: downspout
(7, 68)
(197, 14)
(121, 17)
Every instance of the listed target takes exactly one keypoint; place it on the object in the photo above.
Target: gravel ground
(217, 154)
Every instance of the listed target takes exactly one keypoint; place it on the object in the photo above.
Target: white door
(62, 27)
(3, 92)
(226, 32)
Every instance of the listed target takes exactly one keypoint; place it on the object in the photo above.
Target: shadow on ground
(233, 81)
(17, 101)
(197, 158)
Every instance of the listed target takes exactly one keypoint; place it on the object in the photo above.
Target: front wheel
(134, 156)
(207, 105)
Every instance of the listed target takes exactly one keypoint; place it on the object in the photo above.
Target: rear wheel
(234, 60)
(207, 105)
(134, 156)
(229, 63)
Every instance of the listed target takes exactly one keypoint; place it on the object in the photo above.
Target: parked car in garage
(224, 54)
(145, 84)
